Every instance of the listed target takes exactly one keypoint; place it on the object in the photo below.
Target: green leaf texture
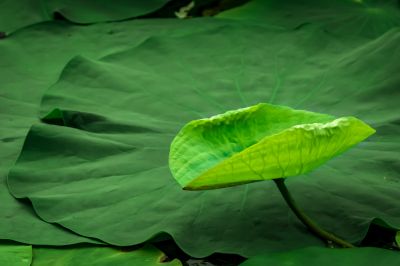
(15, 255)
(367, 18)
(315, 256)
(104, 172)
(22, 75)
(257, 143)
(99, 256)
(22, 13)
(20, 59)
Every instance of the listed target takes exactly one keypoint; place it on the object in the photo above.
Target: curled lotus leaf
(260, 142)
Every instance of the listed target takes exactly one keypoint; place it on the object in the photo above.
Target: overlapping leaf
(105, 173)
(28, 66)
(368, 18)
(99, 256)
(19, 255)
(21, 13)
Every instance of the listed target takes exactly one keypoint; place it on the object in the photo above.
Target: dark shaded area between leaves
(172, 251)
(200, 9)
(377, 236)
(381, 237)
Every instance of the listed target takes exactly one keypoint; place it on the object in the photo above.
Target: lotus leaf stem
(307, 221)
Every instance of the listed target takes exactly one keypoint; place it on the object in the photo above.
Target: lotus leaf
(99, 256)
(259, 143)
(104, 172)
(22, 13)
(315, 256)
(28, 70)
(368, 18)
(15, 255)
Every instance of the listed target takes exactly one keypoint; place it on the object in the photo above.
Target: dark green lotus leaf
(258, 143)
(28, 66)
(316, 256)
(99, 256)
(103, 10)
(22, 75)
(15, 255)
(368, 18)
(17, 14)
(105, 173)
(21, 13)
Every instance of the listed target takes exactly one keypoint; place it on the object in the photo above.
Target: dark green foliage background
(96, 171)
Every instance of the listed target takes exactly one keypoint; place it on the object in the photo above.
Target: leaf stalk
(307, 221)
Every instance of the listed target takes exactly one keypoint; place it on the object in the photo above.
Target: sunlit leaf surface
(257, 143)
(15, 255)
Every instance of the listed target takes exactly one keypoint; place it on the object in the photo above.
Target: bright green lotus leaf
(15, 255)
(398, 239)
(257, 143)
(316, 256)
(99, 256)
